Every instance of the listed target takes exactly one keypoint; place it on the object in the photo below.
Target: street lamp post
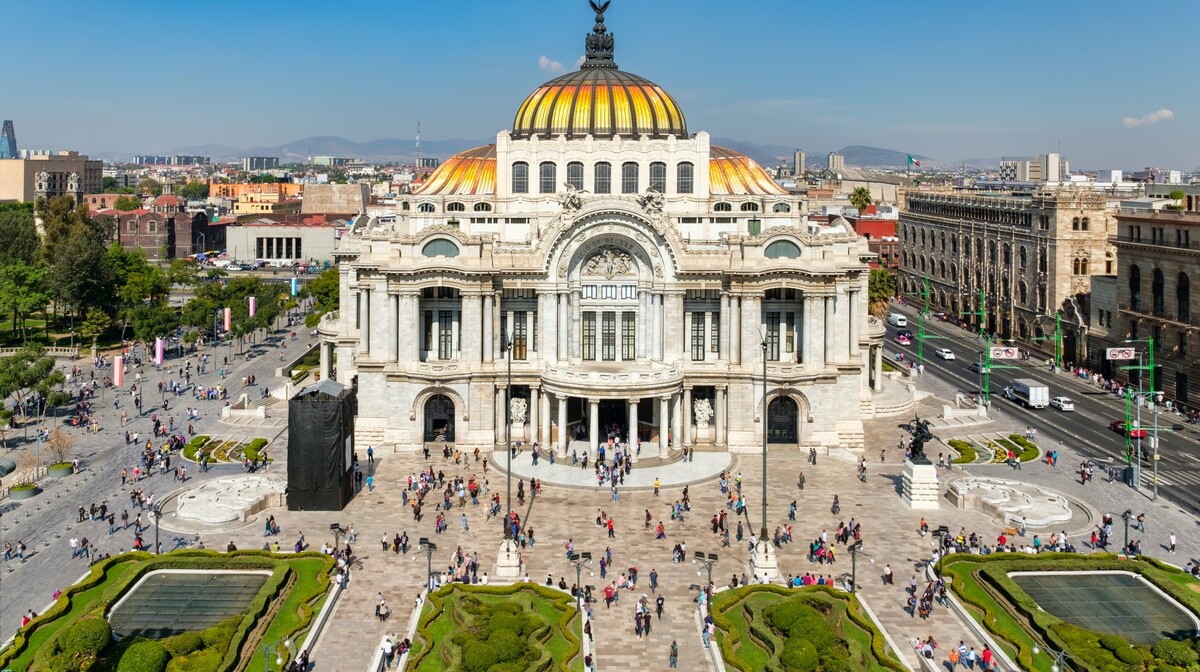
(1060, 658)
(709, 562)
(579, 560)
(279, 660)
(762, 537)
(1126, 516)
(508, 438)
(854, 549)
(428, 548)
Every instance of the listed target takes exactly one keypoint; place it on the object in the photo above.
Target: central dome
(602, 102)
(599, 100)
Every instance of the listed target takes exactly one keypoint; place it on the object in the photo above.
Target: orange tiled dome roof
(602, 102)
(731, 173)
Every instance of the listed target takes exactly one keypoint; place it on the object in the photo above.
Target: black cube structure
(321, 447)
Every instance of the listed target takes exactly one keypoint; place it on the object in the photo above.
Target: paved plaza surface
(567, 509)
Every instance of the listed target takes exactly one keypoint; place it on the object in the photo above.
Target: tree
(325, 291)
(95, 323)
(149, 186)
(881, 288)
(61, 218)
(194, 191)
(29, 370)
(182, 272)
(107, 184)
(20, 236)
(152, 320)
(23, 292)
(127, 203)
(1176, 195)
(80, 275)
(860, 198)
(59, 445)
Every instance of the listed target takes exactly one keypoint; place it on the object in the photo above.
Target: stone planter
(61, 470)
(24, 493)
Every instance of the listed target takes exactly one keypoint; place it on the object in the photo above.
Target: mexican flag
(913, 162)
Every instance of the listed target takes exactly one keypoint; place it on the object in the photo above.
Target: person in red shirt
(987, 658)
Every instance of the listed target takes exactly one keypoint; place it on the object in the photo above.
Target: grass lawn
(474, 627)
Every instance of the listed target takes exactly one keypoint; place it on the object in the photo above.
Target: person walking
(656, 483)
(673, 657)
(465, 528)
(1171, 539)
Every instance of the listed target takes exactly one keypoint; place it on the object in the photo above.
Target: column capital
(634, 400)
(666, 398)
(593, 401)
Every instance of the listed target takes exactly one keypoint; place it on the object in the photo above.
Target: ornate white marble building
(639, 273)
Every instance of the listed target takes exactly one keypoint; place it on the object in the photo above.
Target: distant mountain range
(397, 149)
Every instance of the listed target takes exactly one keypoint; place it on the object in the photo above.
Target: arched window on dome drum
(685, 178)
(783, 249)
(658, 176)
(520, 178)
(781, 207)
(547, 177)
(629, 178)
(749, 207)
(603, 178)
(425, 207)
(575, 174)
(722, 207)
(483, 207)
(404, 206)
(440, 248)
(455, 207)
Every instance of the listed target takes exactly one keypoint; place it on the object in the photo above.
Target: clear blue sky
(949, 80)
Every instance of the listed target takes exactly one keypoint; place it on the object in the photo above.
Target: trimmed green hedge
(192, 448)
(254, 448)
(966, 451)
(144, 656)
(1027, 450)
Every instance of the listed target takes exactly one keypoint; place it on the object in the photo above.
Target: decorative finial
(599, 44)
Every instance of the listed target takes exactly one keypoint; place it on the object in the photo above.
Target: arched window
(603, 178)
(722, 207)
(629, 178)
(942, 268)
(685, 178)
(520, 178)
(782, 249)
(455, 207)
(404, 206)
(575, 174)
(1183, 297)
(1156, 291)
(658, 176)
(781, 207)
(992, 251)
(1135, 287)
(426, 207)
(1022, 257)
(922, 237)
(749, 207)
(1022, 292)
(1080, 266)
(1075, 224)
(953, 272)
(1083, 224)
(942, 243)
(1007, 254)
(1110, 264)
(483, 207)
(547, 177)
(922, 264)
(440, 248)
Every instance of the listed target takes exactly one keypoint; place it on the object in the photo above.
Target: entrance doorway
(613, 412)
(783, 421)
(439, 419)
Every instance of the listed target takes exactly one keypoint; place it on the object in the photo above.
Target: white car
(944, 353)
(1063, 403)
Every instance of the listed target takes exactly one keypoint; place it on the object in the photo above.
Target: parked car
(903, 340)
(944, 353)
(976, 367)
(1063, 403)
(1118, 426)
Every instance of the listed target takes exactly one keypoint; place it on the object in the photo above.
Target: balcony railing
(1163, 315)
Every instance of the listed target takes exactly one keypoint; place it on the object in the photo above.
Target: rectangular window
(629, 178)
(503, 333)
(533, 332)
(715, 334)
(603, 181)
(628, 292)
(520, 336)
(609, 336)
(773, 337)
(685, 179)
(575, 174)
(1182, 343)
(589, 336)
(789, 341)
(658, 176)
(629, 336)
(698, 337)
(427, 344)
(589, 291)
(445, 334)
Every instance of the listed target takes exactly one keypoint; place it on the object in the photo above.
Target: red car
(1118, 426)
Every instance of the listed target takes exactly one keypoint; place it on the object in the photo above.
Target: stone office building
(1030, 255)
(636, 273)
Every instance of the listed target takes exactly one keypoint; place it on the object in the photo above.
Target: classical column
(687, 416)
(735, 330)
(655, 326)
(751, 324)
(562, 327)
(500, 415)
(547, 323)
(594, 426)
(645, 326)
(830, 329)
(535, 405)
(576, 325)
(410, 343)
(545, 422)
(676, 421)
(364, 321)
(719, 416)
(674, 334)
(855, 319)
(633, 428)
(326, 360)
(486, 319)
(663, 427)
(562, 425)
(879, 367)
(723, 328)
(393, 333)
(472, 315)
(814, 328)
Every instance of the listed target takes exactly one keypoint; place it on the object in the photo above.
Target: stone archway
(783, 420)
(438, 416)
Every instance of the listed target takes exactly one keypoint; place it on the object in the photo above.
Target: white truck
(1028, 392)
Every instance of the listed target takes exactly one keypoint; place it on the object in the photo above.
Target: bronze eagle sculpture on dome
(600, 9)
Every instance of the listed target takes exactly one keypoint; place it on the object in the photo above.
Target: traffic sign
(1122, 353)
(1002, 352)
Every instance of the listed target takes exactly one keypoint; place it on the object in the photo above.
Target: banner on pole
(228, 319)
(253, 305)
(1005, 352)
(118, 371)
(159, 346)
(1122, 353)
(294, 283)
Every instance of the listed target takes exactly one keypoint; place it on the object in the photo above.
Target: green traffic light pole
(986, 363)
(921, 333)
(1137, 464)
(1057, 338)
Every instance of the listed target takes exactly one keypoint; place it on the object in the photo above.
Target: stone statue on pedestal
(920, 436)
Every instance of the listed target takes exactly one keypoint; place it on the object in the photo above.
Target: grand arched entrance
(783, 421)
(439, 419)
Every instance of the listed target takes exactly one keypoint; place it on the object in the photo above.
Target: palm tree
(860, 198)
(880, 290)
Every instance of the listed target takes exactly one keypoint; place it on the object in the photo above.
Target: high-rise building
(260, 163)
(8, 141)
(46, 175)
(798, 163)
(1049, 168)
(152, 160)
(836, 162)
